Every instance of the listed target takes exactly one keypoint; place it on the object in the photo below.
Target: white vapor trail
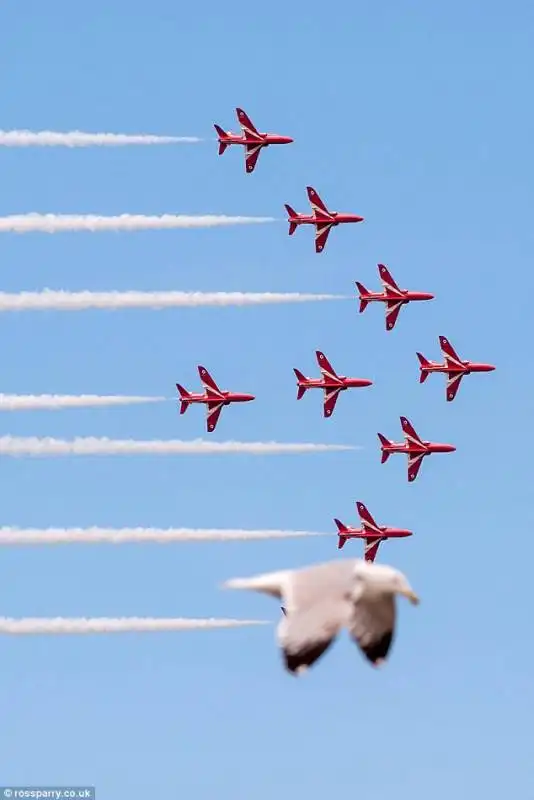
(52, 402)
(91, 446)
(64, 625)
(55, 223)
(80, 139)
(37, 536)
(50, 299)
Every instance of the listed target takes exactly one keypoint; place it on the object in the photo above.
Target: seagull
(321, 599)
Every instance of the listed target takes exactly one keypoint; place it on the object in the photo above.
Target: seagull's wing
(305, 634)
(318, 604)
(372, 625)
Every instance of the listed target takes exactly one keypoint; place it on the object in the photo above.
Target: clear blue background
(416, 115)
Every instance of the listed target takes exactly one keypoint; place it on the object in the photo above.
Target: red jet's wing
(208, 383)
(247, 126)
(318, 207)
(371, 548)
(321, 235)
(452, 359)
(366, 518)
(414, 465)
(453, 384)
(330, 400)
(327, 370)
(387, 280)
(410, 435)
(252, 152)
(392, 312)
(213, 409)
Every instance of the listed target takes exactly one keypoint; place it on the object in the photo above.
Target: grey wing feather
(372, 627)
(305, 634)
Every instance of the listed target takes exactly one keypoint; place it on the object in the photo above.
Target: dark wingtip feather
(376, 652)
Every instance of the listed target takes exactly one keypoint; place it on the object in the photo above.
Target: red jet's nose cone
(427, 296)
(248, 397)
(449, 448)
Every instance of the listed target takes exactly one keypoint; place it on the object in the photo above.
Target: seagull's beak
(412, 597)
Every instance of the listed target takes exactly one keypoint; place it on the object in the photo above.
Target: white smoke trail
(64, 625)
(50, 299)
(37, 536)
(91, 446)
(55, 223)
(80, 139)
(52, 402)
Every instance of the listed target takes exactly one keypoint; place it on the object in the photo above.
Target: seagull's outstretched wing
(318, 606)
(372, 626)
(306, 633)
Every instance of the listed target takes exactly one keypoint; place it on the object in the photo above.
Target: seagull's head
(381, 578)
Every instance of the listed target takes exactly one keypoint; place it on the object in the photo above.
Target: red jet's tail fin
(184, 395)
(342, 538)
(291, 213)
(301, 380)
(222, 136)
(385, 443)
(363, 296)
(424, 367)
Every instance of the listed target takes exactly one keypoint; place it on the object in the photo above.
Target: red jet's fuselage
(365, 533)
(465, 368)
(229, 397)
(387, 297)
(265, 140)
(334, 218)
(346, 383)
(424, 447)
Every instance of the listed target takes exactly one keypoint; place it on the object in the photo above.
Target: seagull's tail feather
(270, 583)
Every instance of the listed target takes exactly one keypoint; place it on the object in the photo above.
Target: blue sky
(415, 115)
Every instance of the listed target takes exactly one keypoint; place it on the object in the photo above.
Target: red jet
(414, 447)
(453, 366)
(214, 398)
(392, 295)
(252, 139)
(322, 218)
(331, 382)
(373, 534)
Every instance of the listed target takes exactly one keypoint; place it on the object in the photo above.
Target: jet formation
(393, 297)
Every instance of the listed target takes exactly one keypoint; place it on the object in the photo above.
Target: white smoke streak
(50, 299)
(55, 223)
(52, 402)
(37, 536)
(91, 446)
(80, 139)
(64, 625)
